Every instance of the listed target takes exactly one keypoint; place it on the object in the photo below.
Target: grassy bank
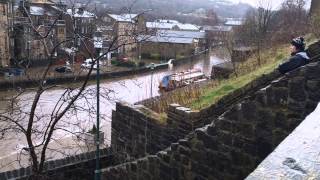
(201, 96)
(247, 72)
(198, 97)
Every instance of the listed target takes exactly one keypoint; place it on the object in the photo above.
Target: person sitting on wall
(298, 56)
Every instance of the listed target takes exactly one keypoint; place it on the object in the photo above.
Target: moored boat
(181, 79)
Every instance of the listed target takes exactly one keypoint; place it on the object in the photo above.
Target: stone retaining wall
(234, 144)
(135, 133)
(78, 167)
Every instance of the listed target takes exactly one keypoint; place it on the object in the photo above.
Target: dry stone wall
(234, 144)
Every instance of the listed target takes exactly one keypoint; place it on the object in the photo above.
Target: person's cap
(298, 43)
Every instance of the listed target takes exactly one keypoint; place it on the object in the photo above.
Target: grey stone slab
(297, 157)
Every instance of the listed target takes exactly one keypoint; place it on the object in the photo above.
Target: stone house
(171, 44)
(47, 19)
(81, 23)
(125, 29)
(5, 12)
(217, 34)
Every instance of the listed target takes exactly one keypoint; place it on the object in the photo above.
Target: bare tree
(262, 25)
(230, 44)
(211, 18)
(290, 20)
(42, 128)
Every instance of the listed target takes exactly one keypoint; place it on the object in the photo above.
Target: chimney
(24, 4)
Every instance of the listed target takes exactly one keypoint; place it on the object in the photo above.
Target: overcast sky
(275, 3)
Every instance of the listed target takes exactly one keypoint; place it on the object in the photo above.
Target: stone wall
(136, 130)
(234, 144)
(23, 82)
(78, 167)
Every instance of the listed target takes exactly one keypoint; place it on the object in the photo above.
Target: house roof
(175, 37)
(123, 17)
(83, 14)
(170, 24)
(36, 10)
(174, 40)
(217, 28)
(181, 34)
(234, 21)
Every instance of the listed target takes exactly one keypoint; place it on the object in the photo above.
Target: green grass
(211, 95)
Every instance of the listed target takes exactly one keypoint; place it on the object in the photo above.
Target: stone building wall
(233, 145)
(4, 33)
(166, 51)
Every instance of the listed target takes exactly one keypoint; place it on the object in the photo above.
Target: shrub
(141, 64)
(114, 62)
(127, 64)
(155, 56)
(146, 55)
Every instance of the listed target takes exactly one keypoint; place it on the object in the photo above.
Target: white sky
(275, 3)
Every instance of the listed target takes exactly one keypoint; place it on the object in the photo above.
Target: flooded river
(129, 89)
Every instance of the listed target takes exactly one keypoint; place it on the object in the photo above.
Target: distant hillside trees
(256, 29)
(315, 17)
(264, 27)
(211, 18)
(290, 21)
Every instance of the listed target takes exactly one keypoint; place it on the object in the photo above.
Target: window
(61, 31)
(3, 9)
(6, 43)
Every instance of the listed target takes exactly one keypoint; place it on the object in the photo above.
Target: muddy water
(129, 89)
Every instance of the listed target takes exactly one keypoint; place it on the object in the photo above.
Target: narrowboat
(181, 79)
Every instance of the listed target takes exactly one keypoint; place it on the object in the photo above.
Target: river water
(129, 89)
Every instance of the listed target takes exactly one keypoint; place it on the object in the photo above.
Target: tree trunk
(315, 8)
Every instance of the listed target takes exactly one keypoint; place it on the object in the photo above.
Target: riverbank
(199, 97)
(27, 82)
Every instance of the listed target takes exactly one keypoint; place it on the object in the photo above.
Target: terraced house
(33, 20)
(5, 12)
(81, 23)
(125, 28)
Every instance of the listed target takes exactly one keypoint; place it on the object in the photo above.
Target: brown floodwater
(130, 89)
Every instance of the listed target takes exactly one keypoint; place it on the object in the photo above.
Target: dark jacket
(295, 61)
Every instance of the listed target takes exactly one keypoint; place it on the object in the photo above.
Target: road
(129, 89)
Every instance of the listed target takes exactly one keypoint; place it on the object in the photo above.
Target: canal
(82, 117)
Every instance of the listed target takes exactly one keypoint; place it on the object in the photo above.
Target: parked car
(11, 72)
(63, 69)
(123, 58)
(88, 63)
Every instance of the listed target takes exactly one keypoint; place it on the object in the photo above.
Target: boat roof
(179, 77)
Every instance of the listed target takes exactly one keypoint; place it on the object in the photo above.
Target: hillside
(169, 8)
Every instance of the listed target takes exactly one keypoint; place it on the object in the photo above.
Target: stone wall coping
(141, 109)
(297, 157)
